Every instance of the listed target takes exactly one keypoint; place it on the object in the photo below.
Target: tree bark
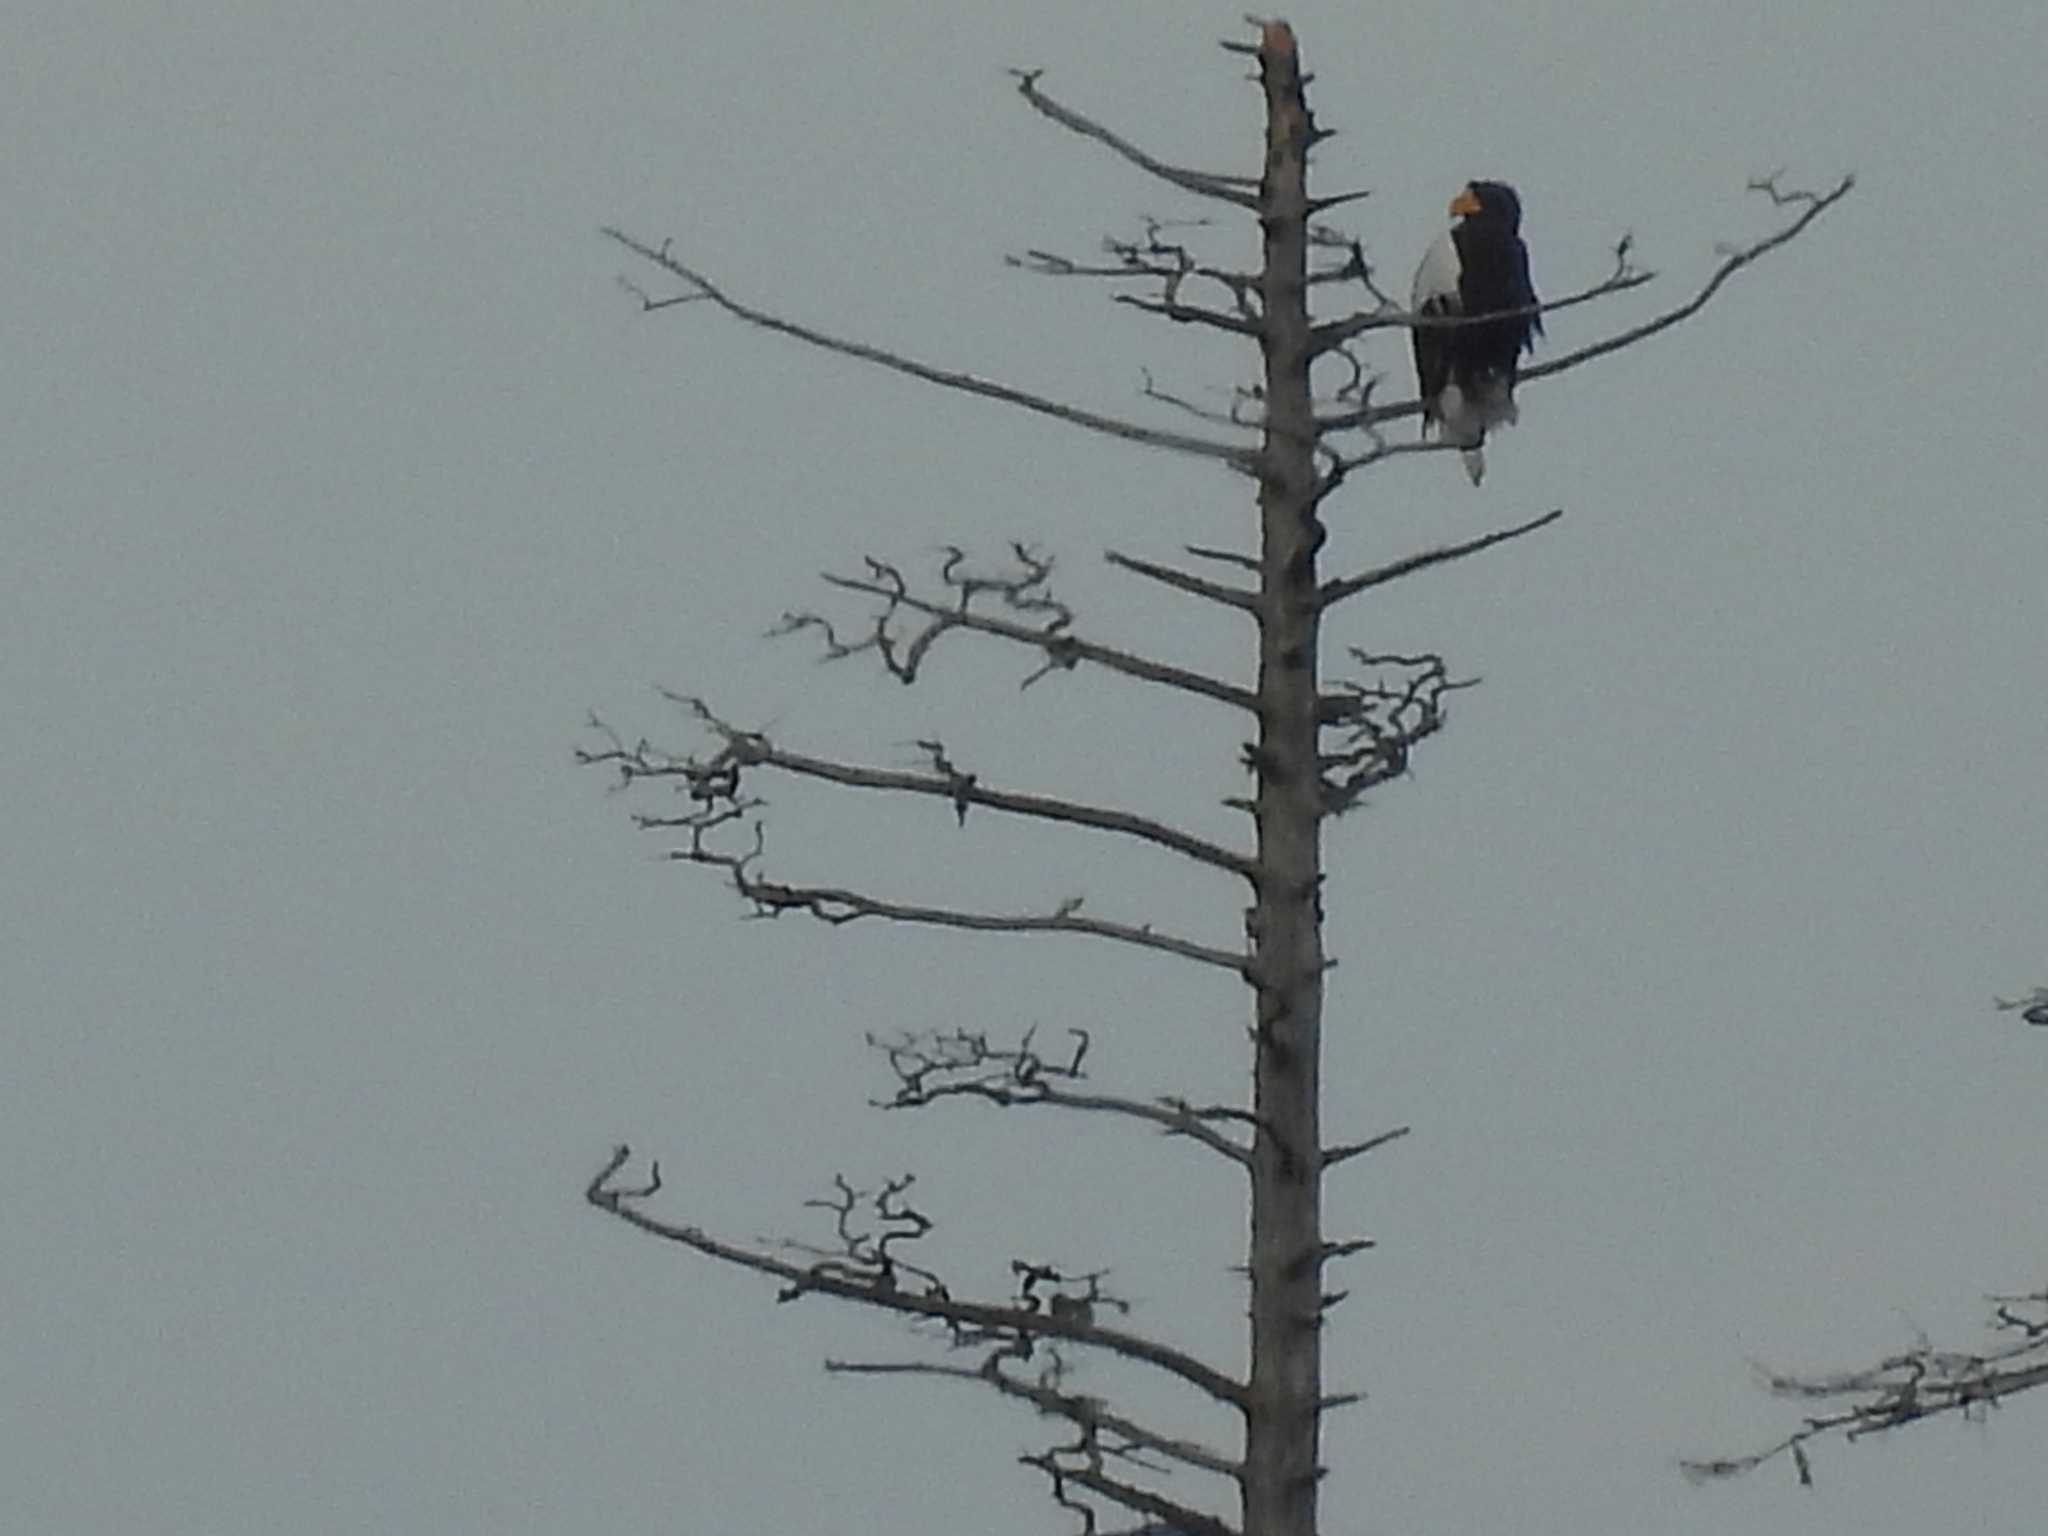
(1286, 970)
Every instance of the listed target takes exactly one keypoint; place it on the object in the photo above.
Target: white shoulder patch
(1437, 277)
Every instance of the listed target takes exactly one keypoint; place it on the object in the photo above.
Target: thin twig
(1238, 190)
(1816, 204)
(1332, 1156)
(963, 1064)
(965, 383)
(1183, 581)
(1334, 592)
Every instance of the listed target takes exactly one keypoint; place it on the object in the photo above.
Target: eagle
(1477, 267)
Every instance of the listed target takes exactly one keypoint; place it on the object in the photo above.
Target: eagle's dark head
(1492, 203)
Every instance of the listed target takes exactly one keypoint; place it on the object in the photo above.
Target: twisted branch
(963, 1064)
(878, 1286)
(1024, 592)
(1382, 722)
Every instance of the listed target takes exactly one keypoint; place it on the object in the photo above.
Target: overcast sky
(341, 481)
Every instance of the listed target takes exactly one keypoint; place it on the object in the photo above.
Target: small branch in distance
(1922, 1383)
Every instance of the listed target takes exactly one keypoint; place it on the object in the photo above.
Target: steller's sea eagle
(1478, 266)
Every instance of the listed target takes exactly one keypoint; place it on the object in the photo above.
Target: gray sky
(341, 481)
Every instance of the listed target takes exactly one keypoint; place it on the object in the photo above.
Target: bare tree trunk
(1283, 1412)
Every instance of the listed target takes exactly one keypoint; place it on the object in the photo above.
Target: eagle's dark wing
(1527, 290)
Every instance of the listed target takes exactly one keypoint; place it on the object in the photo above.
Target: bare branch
(1382, 722)
(870, 1224)
(1181, 1519)
(1922, 1383)
(1223, 557)
(752, 749)
(1343, 466)
(1154, 258)
(835, 905)
(1182, 581)
(1812, 205)
(1359, 385)
(1062, 650)
(877, 1290)
(1236, 416)
(1319, 205)
(1088, 1413)
(713, 789)
(1239, 191)
(1332, 1156)
(1334, 592)
(1025, 590)
(701, 287)
(1191, 314)
(963, 1064)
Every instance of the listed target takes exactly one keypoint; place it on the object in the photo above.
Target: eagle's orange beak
(1465, 202)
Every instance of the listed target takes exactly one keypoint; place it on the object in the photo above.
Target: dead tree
(1311, 422)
